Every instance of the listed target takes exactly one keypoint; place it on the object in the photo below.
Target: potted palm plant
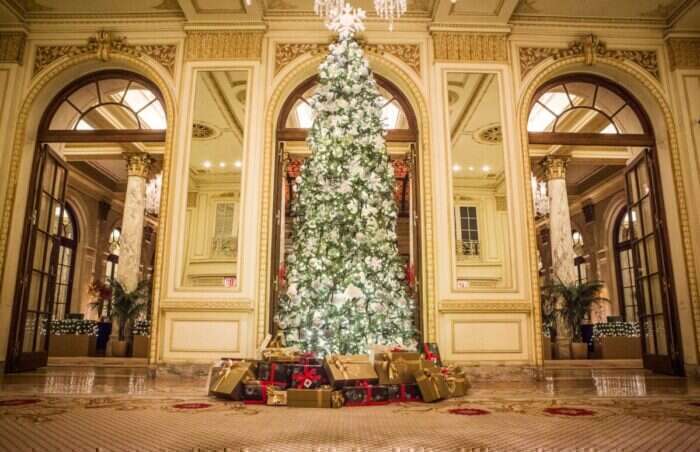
(127, 306)
(578, 298)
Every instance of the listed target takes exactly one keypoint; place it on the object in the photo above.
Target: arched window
(113, 106)
(67, 245)
(625, 266)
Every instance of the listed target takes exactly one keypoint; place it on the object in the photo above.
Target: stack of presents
(286, 376)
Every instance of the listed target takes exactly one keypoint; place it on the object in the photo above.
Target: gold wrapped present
(433, 385)
(337, 399)
(281, 354)
(457, 381)
(228, 377)
(310, 398)
(343, 369)
(276, 397)
(395, 368)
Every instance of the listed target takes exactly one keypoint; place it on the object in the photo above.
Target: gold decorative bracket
(590, 48)
(12, 47)
(103, 45)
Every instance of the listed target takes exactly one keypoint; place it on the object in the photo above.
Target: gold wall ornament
(138, 164)
(684, 53)
(554, 167)
(590, 48)
(464, 46)
(287, 52)
(219, 45)
(12, 47)
(104, 44)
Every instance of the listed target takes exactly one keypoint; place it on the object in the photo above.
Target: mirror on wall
(214, 180)
(479, 205)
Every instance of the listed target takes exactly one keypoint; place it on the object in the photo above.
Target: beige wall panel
(486, 337)
(205, 336)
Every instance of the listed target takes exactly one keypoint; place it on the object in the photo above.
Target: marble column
(138, 168)
(561, 243)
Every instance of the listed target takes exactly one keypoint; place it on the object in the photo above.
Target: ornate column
(138, 167)
(561, 243)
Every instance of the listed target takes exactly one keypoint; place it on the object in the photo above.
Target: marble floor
(121, 408)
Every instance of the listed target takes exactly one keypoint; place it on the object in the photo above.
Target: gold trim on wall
(199, 305)
(590, 48)
(684, 53)
(485, 306)
(21, 137)
(223, 45)
(286, 52)
(642, 76)
(428, 293)
(12, 47)
(103, 45)
(473, 47)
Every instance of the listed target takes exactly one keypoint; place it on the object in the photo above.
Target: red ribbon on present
(430, 356)
(271, 377)
(410, 275)
(368, 390)
(309, 375)
(281, 274)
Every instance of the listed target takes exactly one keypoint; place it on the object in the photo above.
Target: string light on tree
(345, 283)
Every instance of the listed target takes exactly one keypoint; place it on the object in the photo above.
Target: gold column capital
(138, 164)
(554, 167)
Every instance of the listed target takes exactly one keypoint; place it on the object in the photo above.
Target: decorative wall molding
(481, 306)
(104, 44)
(198, 305)
(464, 46)
(590, 47)
(684, 53)
(285, 53)
(219, 45)
(12, 47)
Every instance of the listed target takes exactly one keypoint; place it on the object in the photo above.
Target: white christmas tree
(345, 279)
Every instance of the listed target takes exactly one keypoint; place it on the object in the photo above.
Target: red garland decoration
(469, 411)
(191, 406)
(282, 275)
(19, 402)
(569, 411)
(306, 379)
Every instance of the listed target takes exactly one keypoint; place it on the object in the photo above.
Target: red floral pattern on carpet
(569, 411)
(469, 411)
(191, 406)
(19, 402)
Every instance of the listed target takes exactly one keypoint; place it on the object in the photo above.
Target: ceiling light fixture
(222, 164)
(206, 164)
(390, 10)
(237, 164)
(486, 168)
(456, 167)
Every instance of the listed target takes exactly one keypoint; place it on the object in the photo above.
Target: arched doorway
(292, 128)
(87, 128)
(65, 271)
(593, 136)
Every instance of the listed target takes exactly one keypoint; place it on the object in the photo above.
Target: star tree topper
(348, 21)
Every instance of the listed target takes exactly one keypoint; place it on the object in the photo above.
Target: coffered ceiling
(683, 14)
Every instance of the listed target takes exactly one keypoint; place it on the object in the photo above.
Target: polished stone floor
(122, 408)
(560, 383)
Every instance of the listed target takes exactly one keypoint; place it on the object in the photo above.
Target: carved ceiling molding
(219, 45)
(590, 47)
(104, 44)
(684, 53)
(464, 46)
(12, 47)
(285, 53)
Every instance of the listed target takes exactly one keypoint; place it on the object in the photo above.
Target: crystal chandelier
(540, 198)
(390, 10)
(328, 8)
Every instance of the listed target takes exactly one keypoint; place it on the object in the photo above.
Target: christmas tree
(345, 280)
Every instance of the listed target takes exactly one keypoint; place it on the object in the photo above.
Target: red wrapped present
(274, 373)
(365, 394)
(255, 392)
(404, 393)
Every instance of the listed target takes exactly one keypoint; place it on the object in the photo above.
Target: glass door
(654, 293)
(38, 268)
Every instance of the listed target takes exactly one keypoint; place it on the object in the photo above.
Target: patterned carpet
(161, 423)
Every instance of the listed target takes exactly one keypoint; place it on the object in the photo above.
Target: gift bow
(337, 399)
(335, 361)
(431, 377)
(308, 375)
